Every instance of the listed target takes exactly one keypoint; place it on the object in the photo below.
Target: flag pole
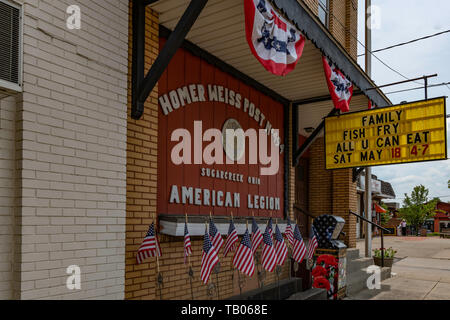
(232, 265)
(290, 253)
(277, 268)
(216, 268)
(190, 271)
(159, 278)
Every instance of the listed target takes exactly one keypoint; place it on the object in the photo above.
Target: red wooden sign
(193, 90)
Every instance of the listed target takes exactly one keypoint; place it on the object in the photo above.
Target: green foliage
(385, 216)
(432, 234)
(417, 207)
(388, 253)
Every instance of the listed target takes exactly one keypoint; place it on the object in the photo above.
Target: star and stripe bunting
(243, 258)
(312, 244)
(299, 249)
(257, 237)
(269, 256)
(273, 40)
(216, 237)
(232, 239)
(209, 258)
(150, 246)
(341, 89)
(187, 243)
(280, 246)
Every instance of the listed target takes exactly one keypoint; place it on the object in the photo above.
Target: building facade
(82, 179)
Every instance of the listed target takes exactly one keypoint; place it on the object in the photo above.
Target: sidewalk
(421, 272)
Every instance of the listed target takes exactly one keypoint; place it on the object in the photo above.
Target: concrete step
(310, 294)
(358, 264)
(274, 291)
(352, 254)
(357, 280)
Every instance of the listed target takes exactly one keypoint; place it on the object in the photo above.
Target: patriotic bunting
(341, 89)
(299, 250)
(256, 236)
(209, 258)
(280, 246)
(274, 41)
(216, 237)
(187, 243)
(312, 244)
(232, 239)
(150, 246)
(243, 258)
(269, 256)
(289, 233)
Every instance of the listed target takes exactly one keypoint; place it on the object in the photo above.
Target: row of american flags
(274, 247)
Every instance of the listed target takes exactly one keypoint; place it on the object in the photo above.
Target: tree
(417, 208)
(385, 216)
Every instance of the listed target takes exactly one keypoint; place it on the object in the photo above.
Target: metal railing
(379, 227)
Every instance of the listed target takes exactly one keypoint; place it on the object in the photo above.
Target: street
(421, 270)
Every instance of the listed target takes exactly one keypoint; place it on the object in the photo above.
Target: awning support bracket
(143, 86)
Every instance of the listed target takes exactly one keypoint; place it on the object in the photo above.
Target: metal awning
(220, 31)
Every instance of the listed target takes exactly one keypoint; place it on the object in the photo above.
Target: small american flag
(150, 246)
(216, 237)
(299, 251)
(209, 258)
(243, 258)
(232, 239)
(187, 243)
(312, 244)
(256, 236)
(269, 225)
(280, 246)
(269, 256)
(289, 233)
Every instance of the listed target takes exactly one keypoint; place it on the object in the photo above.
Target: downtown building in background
(85, 169)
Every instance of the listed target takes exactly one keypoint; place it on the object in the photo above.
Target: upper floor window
(323, 11)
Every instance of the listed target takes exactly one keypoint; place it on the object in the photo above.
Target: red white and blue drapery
(274, 41)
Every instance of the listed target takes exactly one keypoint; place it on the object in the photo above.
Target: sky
(400, 21)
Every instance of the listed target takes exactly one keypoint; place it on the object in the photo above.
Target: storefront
(213, 83)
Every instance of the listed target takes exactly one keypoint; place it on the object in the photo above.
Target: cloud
(403, 21)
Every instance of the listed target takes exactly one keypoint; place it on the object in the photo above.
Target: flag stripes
(257, 237)
(187, 243)
(232, 239)
(269, 256)
(216, 237)
(289, 233)
(209, 258)
(299, 250)
(243, 258)
(280, 246)
(312, 244)
(150, 246)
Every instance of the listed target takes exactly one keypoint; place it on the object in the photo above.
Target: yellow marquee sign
(404, 133)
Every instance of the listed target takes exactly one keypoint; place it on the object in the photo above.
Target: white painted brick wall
(72, 133)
